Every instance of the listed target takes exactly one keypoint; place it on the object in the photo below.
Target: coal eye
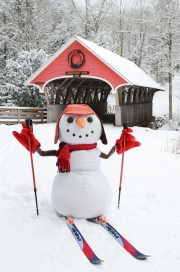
(70, 120)
(90, 119)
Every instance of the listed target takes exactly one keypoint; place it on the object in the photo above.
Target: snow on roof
(127, 69)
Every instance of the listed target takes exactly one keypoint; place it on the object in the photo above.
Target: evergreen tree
(18, 69)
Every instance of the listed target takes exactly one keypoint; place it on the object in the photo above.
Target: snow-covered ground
(148, 216)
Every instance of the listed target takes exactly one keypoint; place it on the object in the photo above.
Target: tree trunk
(170, 97)
(170, 74)
(87, 19)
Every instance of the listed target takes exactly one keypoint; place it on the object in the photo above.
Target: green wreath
(72, 54)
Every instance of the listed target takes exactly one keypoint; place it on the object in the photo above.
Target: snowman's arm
(45, 153)
(111, 152)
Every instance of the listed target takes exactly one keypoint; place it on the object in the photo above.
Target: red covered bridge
(83, 72)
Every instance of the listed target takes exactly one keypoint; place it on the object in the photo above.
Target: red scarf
(63, 154)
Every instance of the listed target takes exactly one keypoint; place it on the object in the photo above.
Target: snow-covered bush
(17, 70)
(163, 122)
(5, 97)
(173, 144)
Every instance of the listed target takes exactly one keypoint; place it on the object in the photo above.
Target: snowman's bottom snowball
(81, 194)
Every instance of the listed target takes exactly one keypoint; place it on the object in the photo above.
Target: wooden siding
(136, 114)
(77, 91)
(16, 115)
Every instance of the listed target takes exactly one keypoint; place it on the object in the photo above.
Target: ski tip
(96, 260)
(141, 256)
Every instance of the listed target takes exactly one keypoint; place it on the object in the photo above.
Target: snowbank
(148, 214)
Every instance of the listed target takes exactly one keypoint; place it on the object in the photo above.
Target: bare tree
(167, 23)
(124, 24)
(93, 14)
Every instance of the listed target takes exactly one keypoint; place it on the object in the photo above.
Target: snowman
(80, 189)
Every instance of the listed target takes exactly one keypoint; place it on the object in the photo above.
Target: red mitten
(127, 140)
(24, 136)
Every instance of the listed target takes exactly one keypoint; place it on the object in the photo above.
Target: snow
(148, 216)
(160, 100)
(126, 68)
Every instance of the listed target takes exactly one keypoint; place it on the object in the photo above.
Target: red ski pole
(28, 124)
(125, 126)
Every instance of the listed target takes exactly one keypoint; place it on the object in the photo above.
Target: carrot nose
(80, 122)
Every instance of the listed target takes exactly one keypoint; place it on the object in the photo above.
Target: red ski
(121, 240)
(90, 255)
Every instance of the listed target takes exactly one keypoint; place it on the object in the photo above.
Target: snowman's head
(79, 124)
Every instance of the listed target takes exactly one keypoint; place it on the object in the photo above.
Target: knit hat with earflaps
(79, 109)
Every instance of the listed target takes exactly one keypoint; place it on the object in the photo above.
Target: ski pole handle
(28, 123)
(125, 125)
